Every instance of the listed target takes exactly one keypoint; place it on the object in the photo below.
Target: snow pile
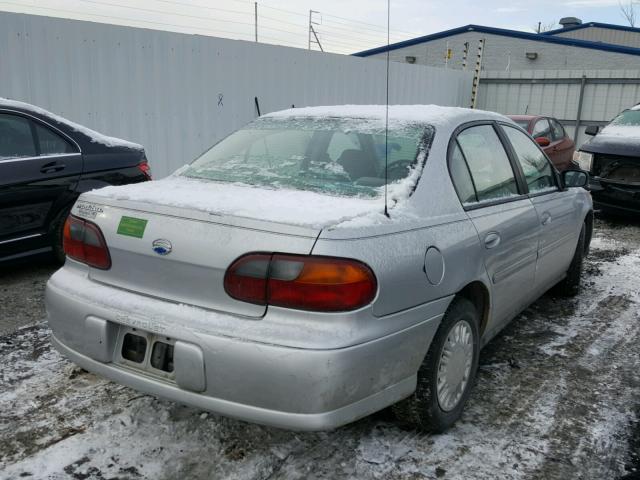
(96, 137)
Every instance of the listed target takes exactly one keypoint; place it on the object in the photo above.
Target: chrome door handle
(546, 219)
(492, 240)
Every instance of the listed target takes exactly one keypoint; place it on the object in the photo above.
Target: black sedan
(612, 157)
(46, 162)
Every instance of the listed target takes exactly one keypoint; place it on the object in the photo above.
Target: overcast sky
(342, 26)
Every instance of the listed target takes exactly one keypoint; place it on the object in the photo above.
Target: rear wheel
(447, 373)
(570, 285)
(57, 228)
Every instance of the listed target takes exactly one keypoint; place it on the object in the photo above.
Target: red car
(550, 135)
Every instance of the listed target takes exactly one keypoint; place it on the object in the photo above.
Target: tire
(57, 234)
(423, 409)
(570, 285)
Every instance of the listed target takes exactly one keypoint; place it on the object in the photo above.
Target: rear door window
(16, 138)
(537, 169)
(488, 164)
(51, 143)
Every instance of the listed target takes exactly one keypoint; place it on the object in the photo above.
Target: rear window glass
(523, 124)
(336, 156)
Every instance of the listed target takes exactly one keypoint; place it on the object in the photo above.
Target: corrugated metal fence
(578, 98)
(177, 94)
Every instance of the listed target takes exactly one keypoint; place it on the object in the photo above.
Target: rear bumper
(276, 418)
(293, 388)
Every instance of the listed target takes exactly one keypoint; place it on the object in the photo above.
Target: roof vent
(570, 22)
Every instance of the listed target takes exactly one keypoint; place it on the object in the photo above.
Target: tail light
(83, 241)
(144, 167)
(303, 282)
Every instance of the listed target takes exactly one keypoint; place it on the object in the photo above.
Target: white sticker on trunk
(88, 210)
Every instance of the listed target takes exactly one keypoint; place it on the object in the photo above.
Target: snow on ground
(556, 398)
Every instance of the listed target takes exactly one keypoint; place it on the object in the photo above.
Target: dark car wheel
(57, 228)
(570, 285)
(447, 373)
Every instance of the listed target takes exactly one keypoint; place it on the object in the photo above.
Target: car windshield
(523, 123)
(336, 156)
(627, 118)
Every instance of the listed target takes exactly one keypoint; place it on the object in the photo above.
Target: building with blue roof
(576, 46)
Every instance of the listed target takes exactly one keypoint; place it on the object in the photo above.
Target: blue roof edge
(609, 26)
(607, 47)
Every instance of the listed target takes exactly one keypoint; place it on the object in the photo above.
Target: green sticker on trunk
(132, 227)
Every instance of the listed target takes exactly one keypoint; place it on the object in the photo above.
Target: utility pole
(255, 4)
(310, 14)
(313, 31)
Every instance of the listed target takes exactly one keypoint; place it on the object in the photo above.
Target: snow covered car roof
(91, 135)
(398, 114)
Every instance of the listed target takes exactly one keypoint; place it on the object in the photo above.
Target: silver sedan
(315, 267)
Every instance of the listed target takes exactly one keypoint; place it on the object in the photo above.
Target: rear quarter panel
(395, 248)
(398, 261)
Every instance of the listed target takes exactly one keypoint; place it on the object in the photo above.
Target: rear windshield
(523, 123)
(336, 156)
(628, 117)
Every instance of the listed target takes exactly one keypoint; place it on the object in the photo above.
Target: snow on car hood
(615, 140)
(294, 207)
(621, 131)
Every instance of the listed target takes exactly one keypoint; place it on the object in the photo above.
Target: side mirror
(592, 130)
(543, 141)
(575, 178)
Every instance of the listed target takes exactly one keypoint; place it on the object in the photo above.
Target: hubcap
(454, 365)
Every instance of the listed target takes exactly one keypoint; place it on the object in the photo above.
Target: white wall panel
(556, 93)
(161, 89)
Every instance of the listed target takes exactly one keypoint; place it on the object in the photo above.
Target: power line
(182, 4)
(379, 28)
(261, 6)
(384, 29)
(342, 41)
(281, 10)
(130, 20)
(324, 24)
(186, 15)
(362, 36)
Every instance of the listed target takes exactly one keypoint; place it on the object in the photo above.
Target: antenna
(386, 117)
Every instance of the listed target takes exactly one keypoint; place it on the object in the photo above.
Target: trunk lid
(181, 254)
